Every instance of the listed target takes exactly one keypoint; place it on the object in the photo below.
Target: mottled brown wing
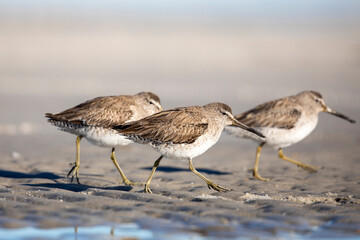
(281, 113)
(100, 111)
(177, 126)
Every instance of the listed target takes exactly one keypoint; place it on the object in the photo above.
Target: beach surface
(55, 56)
(35, 191)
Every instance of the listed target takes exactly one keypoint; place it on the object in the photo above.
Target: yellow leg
(299, 164)
(75, 169)
(126, 181)
(147, 184)
(208, 182)
(255, 169)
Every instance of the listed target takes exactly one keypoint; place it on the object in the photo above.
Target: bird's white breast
(185, 151)
(103, 137)
(278, 137)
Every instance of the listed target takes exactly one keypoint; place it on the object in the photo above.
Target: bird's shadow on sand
(75, 187)
(42, 175)
(58, 185)
(175, 169)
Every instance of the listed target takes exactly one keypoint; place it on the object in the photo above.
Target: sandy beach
(55, 58)
(35, 191)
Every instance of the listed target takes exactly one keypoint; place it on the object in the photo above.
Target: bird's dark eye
(317, 100)
(151, 102)
(224, 113)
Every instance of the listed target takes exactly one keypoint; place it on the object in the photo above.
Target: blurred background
(56, 54)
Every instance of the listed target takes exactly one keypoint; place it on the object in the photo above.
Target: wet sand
(35, 191)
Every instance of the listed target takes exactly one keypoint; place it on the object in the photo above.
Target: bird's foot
(127, 182)
(147, 189)
(74, 172)
(217, 187)
(308, 167)
(258, 177)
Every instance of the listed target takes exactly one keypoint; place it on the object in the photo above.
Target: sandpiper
(94, 118)
(182, 134)
(284, 122)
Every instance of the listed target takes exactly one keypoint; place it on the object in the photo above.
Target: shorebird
(182, 134)
(284, 122)
(94, 118)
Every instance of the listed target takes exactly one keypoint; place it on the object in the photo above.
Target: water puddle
(158, 231)
(164, 229)
(126, 231)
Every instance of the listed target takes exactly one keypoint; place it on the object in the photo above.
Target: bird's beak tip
(243, 126)
(335, 113)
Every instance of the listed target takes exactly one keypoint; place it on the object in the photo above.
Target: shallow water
(95, 232)
(151, 229)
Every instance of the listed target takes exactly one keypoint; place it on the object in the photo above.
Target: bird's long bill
(236, 123)
(340, 115)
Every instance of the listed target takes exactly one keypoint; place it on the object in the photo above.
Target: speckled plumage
(284, 122)
(182, 133)
(94, 118)
(109, 111)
